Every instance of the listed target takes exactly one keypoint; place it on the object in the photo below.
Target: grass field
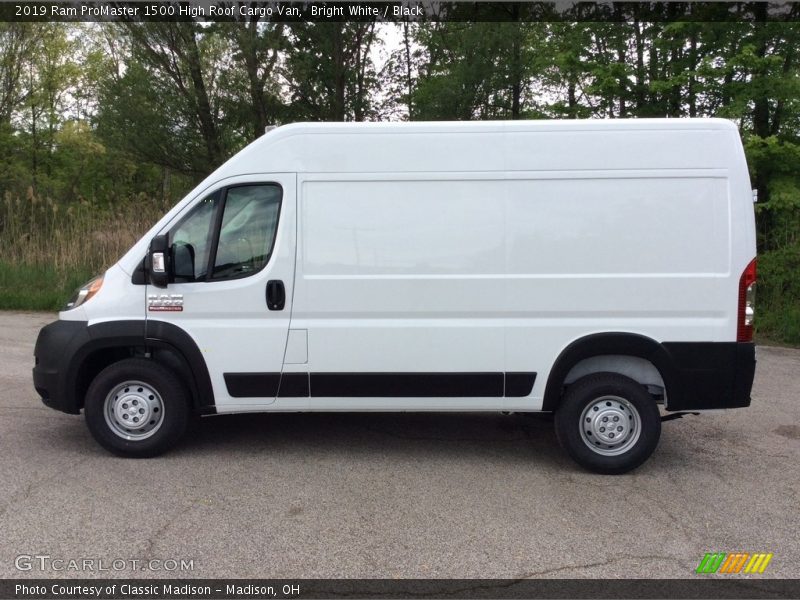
(48, 249)
(38, 287)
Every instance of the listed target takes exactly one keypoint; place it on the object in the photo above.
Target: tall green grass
(39, 231)
(778, 295)
(47, 249)
(38, 287)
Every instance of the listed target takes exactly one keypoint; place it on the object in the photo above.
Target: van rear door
(232, 261)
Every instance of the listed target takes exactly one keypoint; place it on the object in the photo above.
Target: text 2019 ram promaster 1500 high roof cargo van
(595, 269)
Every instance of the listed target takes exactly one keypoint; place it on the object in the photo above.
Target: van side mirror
(182, 256)
(157, 263)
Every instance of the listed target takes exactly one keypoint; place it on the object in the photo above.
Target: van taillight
(747, 292)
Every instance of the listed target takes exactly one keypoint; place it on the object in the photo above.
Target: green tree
(165, 106)
(250, 85)
(329, 71)
(485, 70)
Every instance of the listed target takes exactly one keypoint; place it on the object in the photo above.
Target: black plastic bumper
(708, 375)
(69, 354)
(56, 347)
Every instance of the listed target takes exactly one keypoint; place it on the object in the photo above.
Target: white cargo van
(599, 270)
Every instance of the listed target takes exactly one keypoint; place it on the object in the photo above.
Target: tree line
(144, 99)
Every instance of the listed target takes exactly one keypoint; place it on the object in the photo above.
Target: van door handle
(276, 295)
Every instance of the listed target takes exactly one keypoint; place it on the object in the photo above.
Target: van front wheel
(608, 423)
(136, 408)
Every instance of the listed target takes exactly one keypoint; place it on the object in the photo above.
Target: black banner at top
(395, 11)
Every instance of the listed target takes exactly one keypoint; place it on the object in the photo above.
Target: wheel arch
(169, 345)
(608, 344)
(174, 339)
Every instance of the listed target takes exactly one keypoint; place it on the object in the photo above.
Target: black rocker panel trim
(253, 385)
(519, 385)
(407, 385)
(267, 385)
(380, 385)
(294, 385)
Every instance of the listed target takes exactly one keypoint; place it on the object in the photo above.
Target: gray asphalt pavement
(396, 495)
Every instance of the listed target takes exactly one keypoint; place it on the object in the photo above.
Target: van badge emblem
(165, 302)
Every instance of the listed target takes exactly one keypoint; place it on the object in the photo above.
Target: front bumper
(53, 378)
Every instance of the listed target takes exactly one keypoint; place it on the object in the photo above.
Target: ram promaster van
(598, 270)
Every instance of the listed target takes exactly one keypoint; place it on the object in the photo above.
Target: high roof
(470, 145)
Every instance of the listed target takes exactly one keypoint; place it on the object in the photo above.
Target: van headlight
(84, 293)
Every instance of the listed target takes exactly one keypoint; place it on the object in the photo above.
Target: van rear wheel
(608, 423)
(136, 408)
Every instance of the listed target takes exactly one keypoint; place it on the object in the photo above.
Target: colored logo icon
(734, 562)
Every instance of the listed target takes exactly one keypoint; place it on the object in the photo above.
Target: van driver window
(247, 233)
(191, 242)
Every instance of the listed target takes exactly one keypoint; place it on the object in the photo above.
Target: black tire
(608, 396)
(138, 374)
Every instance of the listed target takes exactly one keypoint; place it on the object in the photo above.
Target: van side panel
(403, 227)
(618, 224)
(401, 275)
(647, 253)
(652, 244)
